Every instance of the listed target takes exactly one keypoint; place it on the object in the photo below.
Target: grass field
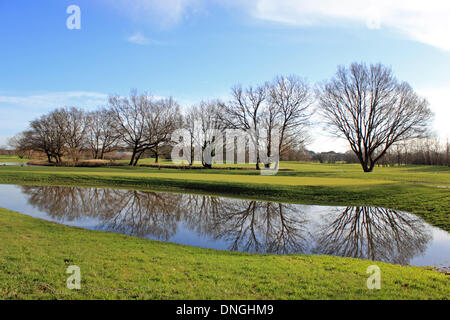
(35, 254)
(421, 190)
(12, 159)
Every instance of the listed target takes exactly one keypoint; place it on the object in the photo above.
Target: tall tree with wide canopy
(373, 110)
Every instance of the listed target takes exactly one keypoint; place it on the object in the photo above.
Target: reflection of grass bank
(35, 254)
(413, 189)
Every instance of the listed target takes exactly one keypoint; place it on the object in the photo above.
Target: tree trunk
(257, 162)
(132, 157)
(138, 156)
(156, 155)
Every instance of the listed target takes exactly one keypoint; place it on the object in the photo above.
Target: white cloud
(139, 38)
(439, 99)
(423, 21)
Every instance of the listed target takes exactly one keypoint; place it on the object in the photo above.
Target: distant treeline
(427, 151)
(7, 152)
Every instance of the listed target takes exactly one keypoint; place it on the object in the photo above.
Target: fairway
(211, 177)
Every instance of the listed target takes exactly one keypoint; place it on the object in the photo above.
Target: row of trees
(138, 123)
(141, 124)
(365, 105)
(283, 105)
(428, 151)
(68, 132)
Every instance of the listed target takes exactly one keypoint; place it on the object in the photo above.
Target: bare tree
(164, 117)
(189, 123)
(72, 123)
(206, 129)
(245, 111)
(130, 119)
(143, 123)
(290, 103)
(45, 135)
(372, 110)
(102, 134)
(20, 143)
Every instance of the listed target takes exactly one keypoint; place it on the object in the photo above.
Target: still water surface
(239, 225)
(13, 164)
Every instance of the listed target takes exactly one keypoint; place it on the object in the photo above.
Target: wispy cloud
(140, 39)
(16, 111)
(424, 21)
(54, 99)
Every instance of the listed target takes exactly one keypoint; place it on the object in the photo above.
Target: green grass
(34, 255)
(12, 159)
(415, 189)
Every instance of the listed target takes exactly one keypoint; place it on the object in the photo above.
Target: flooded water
(239, 225)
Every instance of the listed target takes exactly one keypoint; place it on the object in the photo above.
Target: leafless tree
(189, 123)
(72, 123)
(245, 112)
(206, 128)
(290, 104)
(163, 119)
(144, 123)
(130, 119)
(20, 144)
(102, 134)
(372, 110)
(47, 136)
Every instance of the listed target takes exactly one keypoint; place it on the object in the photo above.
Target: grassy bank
(12, 159)
(35, 254)
(417, 189)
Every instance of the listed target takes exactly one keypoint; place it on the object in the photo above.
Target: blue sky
(198, 49)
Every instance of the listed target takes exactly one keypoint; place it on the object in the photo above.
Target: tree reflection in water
(250, 226)
(129, 212)
(261, 227)
(373, 233)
